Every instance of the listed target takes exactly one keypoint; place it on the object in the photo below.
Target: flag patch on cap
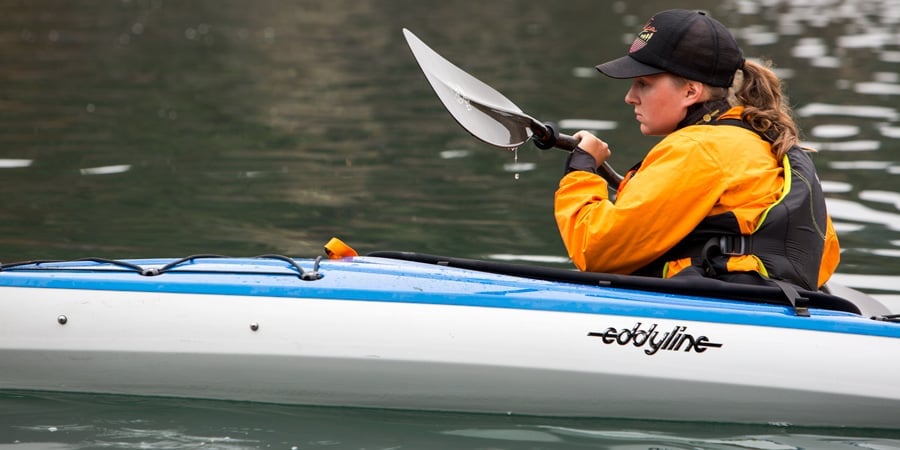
(642, 38)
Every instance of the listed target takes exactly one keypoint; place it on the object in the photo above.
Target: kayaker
(713, 198)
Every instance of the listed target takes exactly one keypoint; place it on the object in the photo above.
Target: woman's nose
(630, 98)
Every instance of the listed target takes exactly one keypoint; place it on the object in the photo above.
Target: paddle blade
(481, 110)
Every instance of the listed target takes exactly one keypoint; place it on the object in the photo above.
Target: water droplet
(516, 160)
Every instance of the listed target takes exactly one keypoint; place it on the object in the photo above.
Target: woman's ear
(694, 92)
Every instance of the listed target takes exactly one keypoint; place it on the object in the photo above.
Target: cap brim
(627, 67)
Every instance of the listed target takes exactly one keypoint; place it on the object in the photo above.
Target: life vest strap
(723, 245)
(735, 244)
(799, 302)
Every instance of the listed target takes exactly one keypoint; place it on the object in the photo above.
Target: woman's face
(660, 102)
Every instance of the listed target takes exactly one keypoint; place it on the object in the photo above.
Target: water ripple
(855, 212)
(14, 163)
(863, 111)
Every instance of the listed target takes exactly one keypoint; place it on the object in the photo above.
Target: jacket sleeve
(677, 185)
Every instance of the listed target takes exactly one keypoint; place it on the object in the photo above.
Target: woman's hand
(593, 146)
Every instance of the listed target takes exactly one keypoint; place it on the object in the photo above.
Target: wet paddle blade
(481, 110)
(486, 113)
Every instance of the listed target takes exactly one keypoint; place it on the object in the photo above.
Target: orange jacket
(694, 172)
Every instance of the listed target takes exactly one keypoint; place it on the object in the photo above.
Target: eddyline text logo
(654, 341)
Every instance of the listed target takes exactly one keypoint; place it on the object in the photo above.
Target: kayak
(422, 332)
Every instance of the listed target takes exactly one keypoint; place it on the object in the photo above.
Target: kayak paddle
(486, 113)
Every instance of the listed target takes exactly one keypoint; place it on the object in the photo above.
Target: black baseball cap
(683, 42)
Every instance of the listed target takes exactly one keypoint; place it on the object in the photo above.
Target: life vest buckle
(734, 245)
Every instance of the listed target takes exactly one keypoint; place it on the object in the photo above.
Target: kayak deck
(429, 279)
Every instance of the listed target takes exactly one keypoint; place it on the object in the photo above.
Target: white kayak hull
(421, 355)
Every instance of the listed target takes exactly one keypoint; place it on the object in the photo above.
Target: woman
(727, 193)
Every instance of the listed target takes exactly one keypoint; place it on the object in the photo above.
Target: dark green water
(167, 128)
(61, 421)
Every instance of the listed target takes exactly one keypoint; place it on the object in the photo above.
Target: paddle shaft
(546, 136)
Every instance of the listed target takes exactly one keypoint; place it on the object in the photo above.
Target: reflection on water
(106, 170)
(73, 421)
(154, 128)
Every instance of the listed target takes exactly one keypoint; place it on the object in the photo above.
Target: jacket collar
(705, 112)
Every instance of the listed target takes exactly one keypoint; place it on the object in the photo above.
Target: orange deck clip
(337, 249)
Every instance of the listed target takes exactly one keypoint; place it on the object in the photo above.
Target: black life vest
(789, 239)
